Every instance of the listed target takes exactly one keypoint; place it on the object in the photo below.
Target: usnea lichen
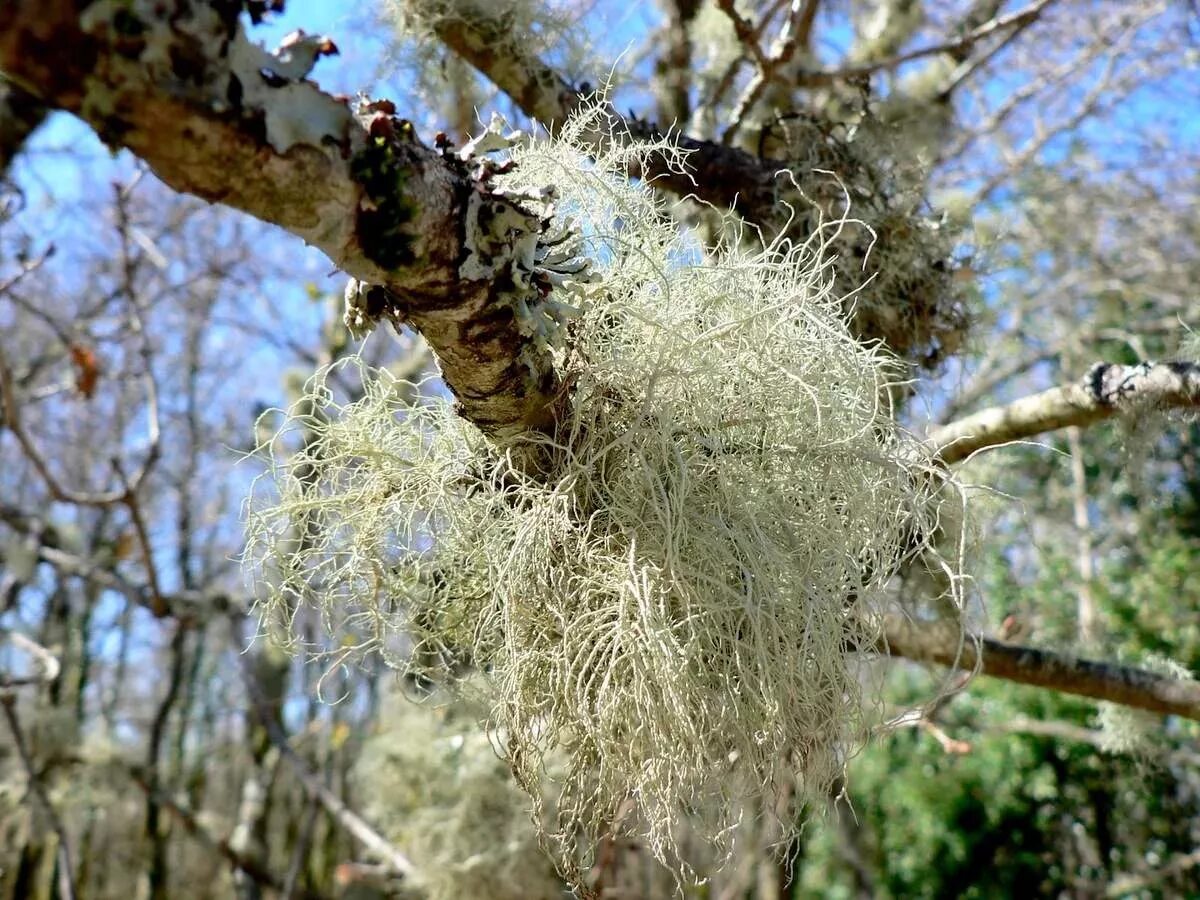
(680, 601)
(438, 789)
(1125, 730)
(895, 259)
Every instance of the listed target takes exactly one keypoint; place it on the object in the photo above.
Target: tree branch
(958, 47)
(342, 814)
(187, 604)
(726, 177)
(941, 643)
(215, 115)
(66, 871)
(196, 828)
(1104, 392)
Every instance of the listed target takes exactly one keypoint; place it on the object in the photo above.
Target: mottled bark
(215, 115)
(1104, 392)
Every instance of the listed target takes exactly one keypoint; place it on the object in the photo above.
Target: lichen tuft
(681, 600)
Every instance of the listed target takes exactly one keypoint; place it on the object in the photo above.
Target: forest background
(1027, 177)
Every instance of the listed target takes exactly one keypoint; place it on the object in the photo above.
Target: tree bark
(180, 85)
(940, 643)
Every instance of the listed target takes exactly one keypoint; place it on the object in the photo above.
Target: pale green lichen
(895, 258)
(437, 789)
(1125, 730)
(680, 603)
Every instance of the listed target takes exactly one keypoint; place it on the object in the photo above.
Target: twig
(158, 606)
(797, 25)
(349, 820)
(1022, 18)
(747, 33)
(300, 851)
(12, 418)
(192, 824)
(187, 604)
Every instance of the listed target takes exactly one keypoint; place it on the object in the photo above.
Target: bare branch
(1018, 20)
(196, 828)
(1104, 392)
(15, 423)
(192, 605)
(941, 643)
(345, 817)
(726, 177)
(746, 32)
(799, 20)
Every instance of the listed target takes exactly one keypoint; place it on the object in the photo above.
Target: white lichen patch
(680, 602)
(268, 84)
(295, 112)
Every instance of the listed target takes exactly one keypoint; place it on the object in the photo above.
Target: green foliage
(1048, 801)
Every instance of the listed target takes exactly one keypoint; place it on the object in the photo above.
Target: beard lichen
(435, 786)
(682, 602)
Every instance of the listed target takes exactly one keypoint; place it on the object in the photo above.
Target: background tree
(1021, 173)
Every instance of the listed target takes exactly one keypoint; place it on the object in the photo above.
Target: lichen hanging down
(435, 787)
(681, 600)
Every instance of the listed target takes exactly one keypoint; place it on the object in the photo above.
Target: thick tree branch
(180, 85)
(1104, 392)
(940, 643)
